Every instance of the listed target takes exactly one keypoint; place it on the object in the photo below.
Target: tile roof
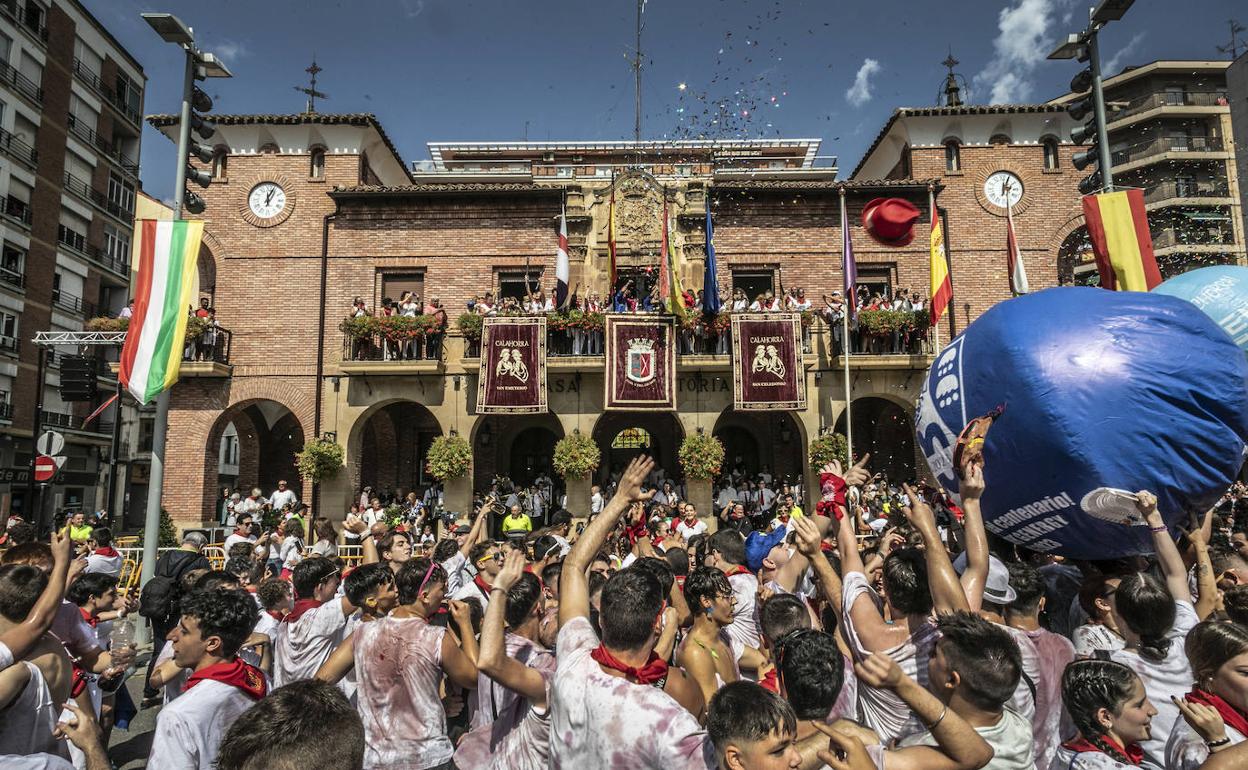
(966, 109)
(445, 187)
(366, 119)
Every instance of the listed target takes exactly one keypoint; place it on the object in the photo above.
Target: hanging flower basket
(576, 456)
(826, 448)
(104, 324)
(449, 457)
(701, 456)
(319, 460)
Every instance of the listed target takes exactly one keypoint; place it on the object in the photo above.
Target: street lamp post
(198, 64)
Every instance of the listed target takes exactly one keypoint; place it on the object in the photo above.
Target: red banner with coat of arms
(641, 363)
(767, 370)
(512, 378)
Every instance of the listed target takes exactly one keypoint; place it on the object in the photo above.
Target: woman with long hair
(1215, 712)
(326, 538)
(291, 551)
(1154, 615)
(1107, 704)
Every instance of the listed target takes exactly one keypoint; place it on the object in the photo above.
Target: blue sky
(468, 70)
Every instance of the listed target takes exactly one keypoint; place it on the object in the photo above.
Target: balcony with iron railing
(118, 101)
(87, 76)
(79, 245)
(1175, 189)
(98, 199)
(16, 211)
(1155, 148)
(14, 279)
(1167, 99)
(12, 76)
(9, 345)
(114, 154)
(6, 411)
(71, 304)
(16, 148)
(79, 129)
(74, 422)
(30, 18)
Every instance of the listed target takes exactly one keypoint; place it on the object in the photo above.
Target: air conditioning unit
(548, 157)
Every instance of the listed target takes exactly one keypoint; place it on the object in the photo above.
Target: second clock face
(1003, 189)
(267, 200)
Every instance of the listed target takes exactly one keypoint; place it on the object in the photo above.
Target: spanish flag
(152, 353)
(1118, 228)
(611, 269)
(670, 289)
(942, 287)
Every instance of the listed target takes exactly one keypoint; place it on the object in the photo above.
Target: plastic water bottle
(122, 634)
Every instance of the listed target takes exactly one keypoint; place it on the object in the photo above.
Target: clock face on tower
(1003, 189)
(267, 200)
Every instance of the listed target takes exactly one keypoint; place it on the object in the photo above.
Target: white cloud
(228, 50)
(412, 8)
(860, 92)
(1116, 61)
(1022, 43)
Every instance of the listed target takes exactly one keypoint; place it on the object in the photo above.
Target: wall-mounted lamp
(785, 434)
(484, 435)
(330, 435)
(455, 380)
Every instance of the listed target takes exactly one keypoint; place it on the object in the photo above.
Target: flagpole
(850, 304)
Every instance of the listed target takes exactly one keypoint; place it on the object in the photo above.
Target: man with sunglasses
(487, 559)
(245, 532)
(310, 632)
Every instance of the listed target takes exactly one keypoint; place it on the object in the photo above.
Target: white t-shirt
(1067, 759)
(1169, 677)
(34, 762)
(68, 626)
(596, 502)
(603, 722)
(457, 572)
(1023, 702)
(283, 497)
(173, 687)
(743, 631)
(1186, 750)
(234, 538)
(470, 590)
(6, 656)
(189, 730)
(882, 710)
(302, 646)
(1010, 739)
(687, 531)
(107, 565)
(508, 732)
(1091, 637)
(27, 722)
(1055, 652)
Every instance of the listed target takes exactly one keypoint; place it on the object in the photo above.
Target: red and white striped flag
(1014, 256)
(561, 263)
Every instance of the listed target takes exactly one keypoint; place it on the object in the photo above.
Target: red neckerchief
(1232, 716)
(107, 550)
(240, 534)
(770, 681)
(482, 586)
(275, 615)
(301, 606)
(1132, 752)
(90, 619)
(653, 671)
(235, 673)
(738, 570)
(636, 532)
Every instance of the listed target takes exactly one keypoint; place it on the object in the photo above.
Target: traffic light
(78, 382)
(205, 129)
(1080, 108)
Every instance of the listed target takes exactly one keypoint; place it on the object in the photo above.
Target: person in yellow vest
(78, 528)
(516, 523)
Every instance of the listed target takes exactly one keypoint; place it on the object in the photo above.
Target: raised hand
(634, 476)
(856, 475)
(971, 486)
(807, 536)
(844, 752)
(1205, 720)
(1146, 503)
(62, 547)
(919, 513)
(460, 612)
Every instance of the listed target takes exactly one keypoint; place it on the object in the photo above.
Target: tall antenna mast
(311, 91)
(1233, 47)
(641, 6)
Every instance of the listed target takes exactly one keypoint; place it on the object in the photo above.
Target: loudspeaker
(78, 381)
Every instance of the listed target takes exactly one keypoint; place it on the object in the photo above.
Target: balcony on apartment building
(30, 17)
(73, 423)
(1173, 147)
(98, 199)
(1202, 234)
(112, 96)
(1186, 191)
(16, 211)
(77, 244)
(17, 149)
(1166, 102)
(13, 77)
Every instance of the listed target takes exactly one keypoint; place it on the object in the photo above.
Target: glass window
(394, 284)
(513, 284)
(1175, 95)
(1050, 154)
(121, 193)
(220, 163)
(117, 243)
(999, 139)
(631, 438)
(6, 45)
(953, 156)
(316, 165)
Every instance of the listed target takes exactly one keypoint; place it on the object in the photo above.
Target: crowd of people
(811, 636)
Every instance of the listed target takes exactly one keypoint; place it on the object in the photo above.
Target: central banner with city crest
(513, 366)
(767, 370)
(641, 363)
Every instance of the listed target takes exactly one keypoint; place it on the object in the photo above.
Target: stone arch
(206, 272)
(772, 440)
(517, 446)
(269, 434)
(386, 447)
(1076, 265)
(664, 431)
(884, 426)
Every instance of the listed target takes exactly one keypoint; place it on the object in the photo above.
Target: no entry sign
(45, 468)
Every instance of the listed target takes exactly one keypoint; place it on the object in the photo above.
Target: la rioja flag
(152, 353)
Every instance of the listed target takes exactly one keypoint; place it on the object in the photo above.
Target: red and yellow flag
(1118, 229)
(942, 287)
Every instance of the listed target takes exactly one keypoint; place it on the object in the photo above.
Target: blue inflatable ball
(1104, 393)
(1222, 292)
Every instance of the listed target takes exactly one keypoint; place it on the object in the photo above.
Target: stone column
(578, 497)
(457, 495)
(698, 492)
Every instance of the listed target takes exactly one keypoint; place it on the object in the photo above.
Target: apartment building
(71, 105)
(1170, 134)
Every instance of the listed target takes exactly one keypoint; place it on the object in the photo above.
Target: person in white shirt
(1107, 705)
(727, 496)
(283, 496)
(103, 557)
(221, 687)
(614, 697)
(250, 504)
(596, 501)
(689, 524)
(310, 632)
(1214, 714)
(304, 724)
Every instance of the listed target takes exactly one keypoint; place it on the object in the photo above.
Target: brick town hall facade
(478, 217)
